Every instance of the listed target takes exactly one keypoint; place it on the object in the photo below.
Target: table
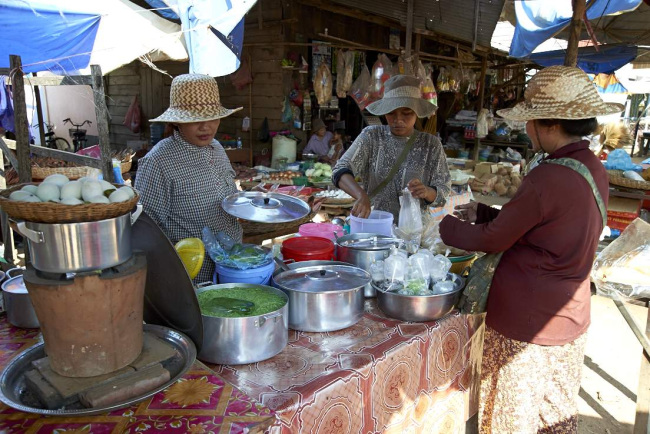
(200, 402)
(380, 375)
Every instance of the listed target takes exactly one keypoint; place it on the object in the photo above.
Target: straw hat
(317, 124)
(560, 92)
(402, 91)
(194, 98)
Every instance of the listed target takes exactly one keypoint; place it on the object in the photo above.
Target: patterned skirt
(528, 388)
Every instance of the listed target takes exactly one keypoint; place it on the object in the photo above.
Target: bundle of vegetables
(320, 170)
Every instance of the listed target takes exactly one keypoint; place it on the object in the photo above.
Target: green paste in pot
(239, 302)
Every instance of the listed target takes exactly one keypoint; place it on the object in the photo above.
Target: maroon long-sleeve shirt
(549, 233)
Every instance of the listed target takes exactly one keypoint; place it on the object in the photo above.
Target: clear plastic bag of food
(359, 89)
(439, 267)
(442, 83)
(227, 252)
(410, 221)
(395, 267)
(382, 70)
(623, 267)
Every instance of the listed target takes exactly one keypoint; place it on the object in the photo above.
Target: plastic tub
(378, 222)
(321, 230)
(307, 249)
(259, 275)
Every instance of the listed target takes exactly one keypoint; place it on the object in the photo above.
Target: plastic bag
(382, 70)
(482, 126)
(431, 237)
(623, 267)
(618, 159)
(133, 117)
(227, 252)
(442, 83)
(410, 221)
(287, 114)
(344, 70)
(359, 89)
(323, 84)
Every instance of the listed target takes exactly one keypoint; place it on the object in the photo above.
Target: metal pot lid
(372, 243)
(323, 278)
(15, 285)
(265, 207)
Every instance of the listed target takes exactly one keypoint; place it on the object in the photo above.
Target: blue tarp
(45, 38)
(538, 21)
(606, 60)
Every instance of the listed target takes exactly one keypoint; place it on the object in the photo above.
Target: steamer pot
(77, 247)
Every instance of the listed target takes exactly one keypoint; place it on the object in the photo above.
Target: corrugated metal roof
(454, 18)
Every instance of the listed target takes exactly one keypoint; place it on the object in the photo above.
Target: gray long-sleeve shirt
(375, 151)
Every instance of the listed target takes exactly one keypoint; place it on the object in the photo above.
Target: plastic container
(283, 147)
(307, 249)
(321, 230)
(259, 275)
(378, 222)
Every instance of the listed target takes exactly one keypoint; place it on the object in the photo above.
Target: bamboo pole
(20, 120)
(571, 58)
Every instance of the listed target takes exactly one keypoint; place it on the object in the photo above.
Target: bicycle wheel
(62, 144)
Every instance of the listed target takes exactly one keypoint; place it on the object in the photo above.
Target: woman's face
(320, 133)
(199, 133)
(401, 121)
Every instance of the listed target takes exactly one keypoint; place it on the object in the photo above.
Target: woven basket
(70, 172)
(255, 228)
(50, 212)
(616, 177)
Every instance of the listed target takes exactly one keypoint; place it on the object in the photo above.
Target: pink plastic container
(321, 230)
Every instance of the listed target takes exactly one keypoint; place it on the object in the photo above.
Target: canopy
(608, 83)
(67, 37)
(213, 29)
(539, 20)
(606, 60)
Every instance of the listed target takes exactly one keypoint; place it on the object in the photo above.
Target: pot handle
(35, 236)
(136, 214)
(264, 318)
(204, 284)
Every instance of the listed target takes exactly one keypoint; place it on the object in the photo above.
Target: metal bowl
(418, 308)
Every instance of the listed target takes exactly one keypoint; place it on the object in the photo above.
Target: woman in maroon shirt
(538, 306)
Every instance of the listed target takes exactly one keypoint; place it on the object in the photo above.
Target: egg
(106, 186)
(57, 179)
(91, 189)
(98, 199)
(32, 199)
(71, 190)
(48, 191)
(30, 188)
(20, 195)
(119, 196)
(71, 201)
(128, 191)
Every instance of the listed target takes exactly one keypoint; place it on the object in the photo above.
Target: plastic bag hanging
(344, 70)
(359, 89)
(323, 84)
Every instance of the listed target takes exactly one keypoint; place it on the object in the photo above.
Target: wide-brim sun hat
(194, 98)
(402, 91)
(317, 124)
(560, 92)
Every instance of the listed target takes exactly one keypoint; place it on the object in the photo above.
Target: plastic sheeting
(539, 20)
(606, 60)
(67, 37)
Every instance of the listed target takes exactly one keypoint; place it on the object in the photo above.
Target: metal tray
(13, 391)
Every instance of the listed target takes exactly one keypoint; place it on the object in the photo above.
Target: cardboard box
(624, 208)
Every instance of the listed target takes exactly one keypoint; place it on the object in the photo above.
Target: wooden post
(579, 7)
(409, 37)
(250, 112)
(642, 420)
(102, 121)
(479, 105)
(20, 120)
(39, 114)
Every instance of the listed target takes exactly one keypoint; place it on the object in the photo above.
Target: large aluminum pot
(303, 264)
(77, 247)
(362, 250)
(419, 308)
(323, 298)
(236, 341)
(20, 311)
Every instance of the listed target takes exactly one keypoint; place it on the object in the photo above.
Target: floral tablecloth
(201, 402)
(378, 376)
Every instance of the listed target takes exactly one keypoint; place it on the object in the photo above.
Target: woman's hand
(467, 212)
(361, 207)
(422, 191)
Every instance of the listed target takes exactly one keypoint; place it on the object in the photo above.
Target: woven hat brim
(565, 111)
(180, 116)
(421, 107)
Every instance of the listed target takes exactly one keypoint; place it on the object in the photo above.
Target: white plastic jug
(283, 147)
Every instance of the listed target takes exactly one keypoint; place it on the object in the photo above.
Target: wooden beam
(62, 80)
(20, 121)
(429, 34)
(477, 7)
(642, 419)
(409, 33)
(260, 21)
(39, 114)
(351, 12)
(579, 7)
(9, 154)
(81, 160)
(102, 122)
(481, 83)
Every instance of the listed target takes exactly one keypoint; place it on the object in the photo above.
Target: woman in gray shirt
(378, 149)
